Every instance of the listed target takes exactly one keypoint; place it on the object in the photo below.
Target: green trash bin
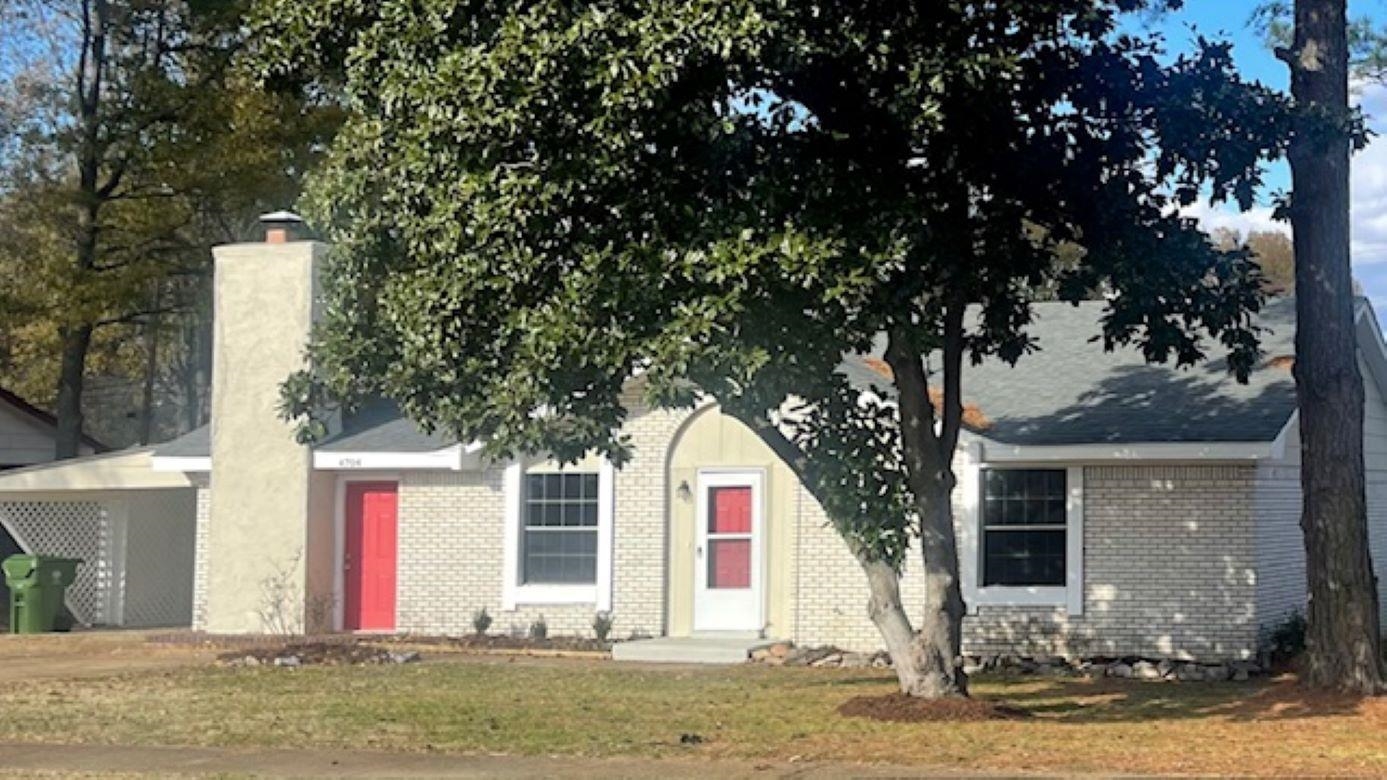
(37, 585)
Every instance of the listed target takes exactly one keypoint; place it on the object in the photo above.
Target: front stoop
(702, 649)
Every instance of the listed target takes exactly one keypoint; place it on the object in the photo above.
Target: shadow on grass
(1119, 701)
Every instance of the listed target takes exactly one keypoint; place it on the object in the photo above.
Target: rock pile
(1153, 669)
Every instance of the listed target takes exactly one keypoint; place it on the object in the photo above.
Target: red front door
(369, 560)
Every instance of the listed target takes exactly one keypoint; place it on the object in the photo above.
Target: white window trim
(1070, 596)
(515, 594)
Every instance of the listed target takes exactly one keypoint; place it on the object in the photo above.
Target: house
(29, 435)
(1104, 507)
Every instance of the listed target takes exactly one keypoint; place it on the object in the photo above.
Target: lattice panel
(74, 529)
(159, 538)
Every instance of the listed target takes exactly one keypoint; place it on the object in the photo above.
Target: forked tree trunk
(1343, 645)
(929, 472)
(926, 661)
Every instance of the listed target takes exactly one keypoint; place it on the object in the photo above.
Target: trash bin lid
(19, 568)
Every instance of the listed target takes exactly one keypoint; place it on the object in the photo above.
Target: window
(1024, 515)
(559, 524)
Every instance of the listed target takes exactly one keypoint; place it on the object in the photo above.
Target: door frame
(754, 478)
(339, 544)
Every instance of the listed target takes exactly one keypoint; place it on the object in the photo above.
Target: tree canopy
(130, 143)
(535, 202)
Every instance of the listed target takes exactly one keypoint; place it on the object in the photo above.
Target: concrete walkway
(195, 761)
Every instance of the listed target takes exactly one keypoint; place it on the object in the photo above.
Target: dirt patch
(317, 654)
(899, 708)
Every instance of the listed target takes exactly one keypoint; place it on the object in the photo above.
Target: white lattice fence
(159, 531)
(74, 529)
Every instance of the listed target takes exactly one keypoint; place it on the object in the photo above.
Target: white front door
(727, 551)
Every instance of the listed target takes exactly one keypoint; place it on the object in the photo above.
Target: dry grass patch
(749, 712)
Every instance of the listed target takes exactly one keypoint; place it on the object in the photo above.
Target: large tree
(535, 202)
(129, 144)
(1343, 643)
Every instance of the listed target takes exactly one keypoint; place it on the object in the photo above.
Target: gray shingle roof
(1069, 392)
(196, 443)
(379, 427)
(1072, 391)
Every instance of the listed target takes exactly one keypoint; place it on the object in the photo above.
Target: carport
(133, 526)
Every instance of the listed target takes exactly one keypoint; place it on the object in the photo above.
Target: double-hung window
(559, 527)
(1024, 527)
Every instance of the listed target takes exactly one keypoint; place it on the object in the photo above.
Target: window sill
(1021, 596)
(531, 595)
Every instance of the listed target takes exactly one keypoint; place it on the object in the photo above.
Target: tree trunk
(76, 340)
(151, 370)
(926, 664)
(929, 472)
(1343, 646)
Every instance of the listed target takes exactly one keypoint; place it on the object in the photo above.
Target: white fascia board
(446, 459)
(992, 452)
(185, 464)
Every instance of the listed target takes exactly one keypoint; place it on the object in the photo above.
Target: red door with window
(369, 557)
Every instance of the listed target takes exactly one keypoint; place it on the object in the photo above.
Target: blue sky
(1231, 19)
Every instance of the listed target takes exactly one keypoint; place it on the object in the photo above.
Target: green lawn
(602, 709)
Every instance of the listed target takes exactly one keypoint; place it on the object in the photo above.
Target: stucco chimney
(269, 534)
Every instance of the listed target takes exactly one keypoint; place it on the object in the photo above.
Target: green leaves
(538, 201)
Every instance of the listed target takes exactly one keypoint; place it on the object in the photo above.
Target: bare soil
(900, 708)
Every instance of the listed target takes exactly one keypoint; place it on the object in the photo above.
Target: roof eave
(983, 450)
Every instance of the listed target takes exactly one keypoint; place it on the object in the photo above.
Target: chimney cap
(281, 218)
(282, 227)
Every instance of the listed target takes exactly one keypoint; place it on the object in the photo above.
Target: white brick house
(1105, 508)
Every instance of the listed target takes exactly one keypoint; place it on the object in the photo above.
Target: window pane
(1024, 497)
(562, 557)
(730, 509)
(729, 563)
(1023, 557)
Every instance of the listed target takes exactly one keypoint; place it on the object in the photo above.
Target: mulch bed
(510, 642)
(348, 648)
(316, 653)
(899, 708)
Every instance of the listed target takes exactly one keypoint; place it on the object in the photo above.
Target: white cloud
(1213, 218)
(1369, 203)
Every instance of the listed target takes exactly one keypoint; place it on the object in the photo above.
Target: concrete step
(689, 650)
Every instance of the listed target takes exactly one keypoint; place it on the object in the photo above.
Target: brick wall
(451, 534)
(202, 483)
(1169, 571)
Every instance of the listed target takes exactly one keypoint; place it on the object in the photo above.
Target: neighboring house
(1104, 507)
(29, 435)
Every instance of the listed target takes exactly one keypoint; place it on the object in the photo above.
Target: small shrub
(539, 629)
(602, 625)
(481, 621)
(1288, 638)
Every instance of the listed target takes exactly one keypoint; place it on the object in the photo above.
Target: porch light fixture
(684, 492)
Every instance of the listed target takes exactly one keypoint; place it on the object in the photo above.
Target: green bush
(539, 629)
(1287, 639)
(481, 621)
(602, 625)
